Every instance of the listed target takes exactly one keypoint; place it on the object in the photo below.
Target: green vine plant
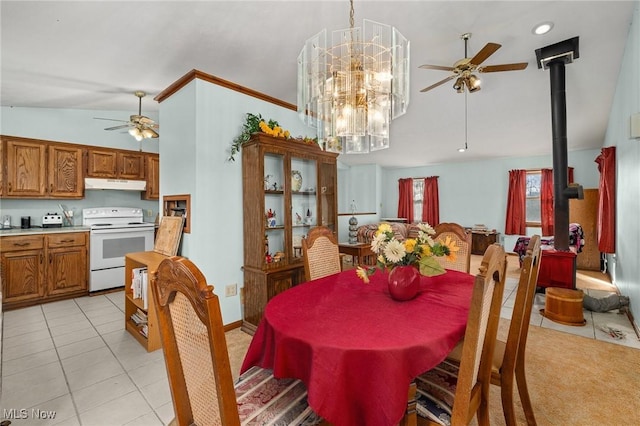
(251, 125)
(271, 127)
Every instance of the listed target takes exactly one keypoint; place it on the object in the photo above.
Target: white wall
(624, 264)
(199, 123)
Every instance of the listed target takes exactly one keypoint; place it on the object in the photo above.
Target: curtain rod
(421, 177)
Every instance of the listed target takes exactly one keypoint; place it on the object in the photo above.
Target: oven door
(109, 246)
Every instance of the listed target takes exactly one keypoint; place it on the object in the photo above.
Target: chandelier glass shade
(351, 90)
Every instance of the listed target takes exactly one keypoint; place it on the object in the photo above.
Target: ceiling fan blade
(436, 67)
(441, 82)
(504, 67)
(488, 50)
(124, 126)
(110, 119)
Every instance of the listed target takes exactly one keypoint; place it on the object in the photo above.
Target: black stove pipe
(560, 161)
(555, 57)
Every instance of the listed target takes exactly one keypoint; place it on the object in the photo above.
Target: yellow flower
(453, 248)
(287, 134)
(264, 127)
(409, 245)
(362, 274)
(383, 228)
(425, 249)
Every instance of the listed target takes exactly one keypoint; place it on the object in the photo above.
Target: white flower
(426, 228)
(377, 244)
(394, 251)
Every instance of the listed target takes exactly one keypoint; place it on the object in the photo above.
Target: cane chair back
(462, 238)
(453, 393)
(197, 361)
(508, 363)
(321, 253)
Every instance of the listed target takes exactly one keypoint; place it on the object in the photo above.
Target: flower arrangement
(419, 252)
(255, 123)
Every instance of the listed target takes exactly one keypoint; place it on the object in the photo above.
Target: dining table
(356, 349)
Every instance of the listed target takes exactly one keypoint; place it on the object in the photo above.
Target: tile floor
(74, 358)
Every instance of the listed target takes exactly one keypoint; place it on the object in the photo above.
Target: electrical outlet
(149, 213)
(231, 290)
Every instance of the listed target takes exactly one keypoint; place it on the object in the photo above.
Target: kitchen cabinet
(42, 169)
(152, 173)
(42, 268)
(115, 164)
(288, 187)
(67, 270)
(22, 260)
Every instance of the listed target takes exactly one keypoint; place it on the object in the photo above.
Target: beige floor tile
(102, 392)
(91, 303)
(109, 327)
(157, 393)
(19, 329)
(151, 372)
(100, 371)
(21, 350)
(28, 362)
(67, 320)
(80, 347)
(54, 411)
(33, 387)
(166, 413)
(86, 360)
(76, 336)
(149, 419)
(119, 411)
(74, 327)
(23, 339)
(71, 309)
(23, 315)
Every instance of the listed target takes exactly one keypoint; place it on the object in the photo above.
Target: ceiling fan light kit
(140, 127)
(351, 90)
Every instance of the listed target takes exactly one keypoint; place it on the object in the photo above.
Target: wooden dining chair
(453, 393)
(195, 352)
(321, 253)
(509, 356)
(462, 238)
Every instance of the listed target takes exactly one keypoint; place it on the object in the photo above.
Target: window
(418, 193)
(533, 198)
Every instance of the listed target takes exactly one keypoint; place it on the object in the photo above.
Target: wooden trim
(193, 74)
(356, 214)
(233, 325)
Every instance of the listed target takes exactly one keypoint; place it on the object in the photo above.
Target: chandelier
(351, 90)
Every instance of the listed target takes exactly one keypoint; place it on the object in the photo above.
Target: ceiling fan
(140, 127)
(464, 68)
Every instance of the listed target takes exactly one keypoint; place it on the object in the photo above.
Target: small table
(356, 349)
(358, 251)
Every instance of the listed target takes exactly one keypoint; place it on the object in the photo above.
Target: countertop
(32, 231)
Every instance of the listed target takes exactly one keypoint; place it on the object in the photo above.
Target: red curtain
(607, 200)
(546, 201)
(431, 201)
(405, 199)
(516, 203)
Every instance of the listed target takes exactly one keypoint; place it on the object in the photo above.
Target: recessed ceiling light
(542, 28)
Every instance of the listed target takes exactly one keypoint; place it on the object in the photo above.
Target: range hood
(120, 184)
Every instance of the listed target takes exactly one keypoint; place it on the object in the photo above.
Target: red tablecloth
(355, 348)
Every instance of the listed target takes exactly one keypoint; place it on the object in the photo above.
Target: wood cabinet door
(26, 169)
(66, 270)
(278, 282)
(130, 165)
(102, 163)
(153, 177)
(22, 275)
(65, 172)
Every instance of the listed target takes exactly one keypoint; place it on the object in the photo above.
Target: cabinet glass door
(274, 208)
(327, 190)
(304, 204)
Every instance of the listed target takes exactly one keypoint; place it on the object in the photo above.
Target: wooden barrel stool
(564, 306)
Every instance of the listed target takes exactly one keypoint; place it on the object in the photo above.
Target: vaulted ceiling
(95, 54)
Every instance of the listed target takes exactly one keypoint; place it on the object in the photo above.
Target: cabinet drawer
(66, 240)
(29, 242)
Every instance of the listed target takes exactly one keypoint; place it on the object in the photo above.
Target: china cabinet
(289, 186)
